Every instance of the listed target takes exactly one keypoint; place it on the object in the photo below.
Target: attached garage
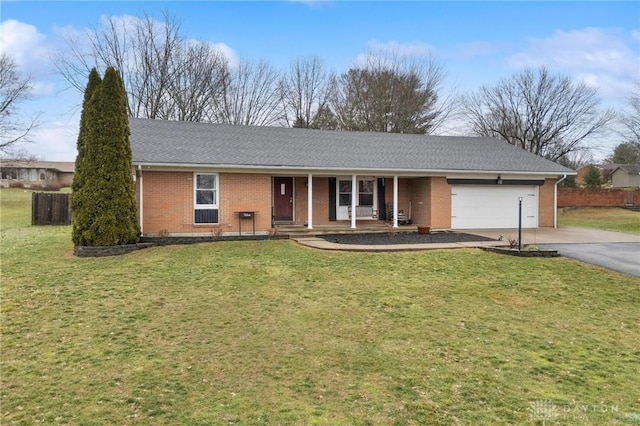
(493, 206)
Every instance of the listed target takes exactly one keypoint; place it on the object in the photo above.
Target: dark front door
(283, 198)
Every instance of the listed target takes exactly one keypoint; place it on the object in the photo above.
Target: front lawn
(270, 332)
(607, 218)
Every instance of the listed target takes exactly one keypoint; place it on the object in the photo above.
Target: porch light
(499, 180)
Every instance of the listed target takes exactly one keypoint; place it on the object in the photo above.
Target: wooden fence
(50, 209)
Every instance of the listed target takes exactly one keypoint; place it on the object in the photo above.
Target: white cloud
(26, 45)
(54, 141)
(378, 52)
(474, 49)
(602, 58)
(232, 57)
(401, 49)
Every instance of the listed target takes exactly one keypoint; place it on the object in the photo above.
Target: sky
(477, 42)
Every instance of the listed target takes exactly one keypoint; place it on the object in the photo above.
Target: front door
(282, 199)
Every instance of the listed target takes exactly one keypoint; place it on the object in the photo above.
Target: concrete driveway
(612, 250)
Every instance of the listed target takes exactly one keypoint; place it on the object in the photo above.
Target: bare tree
(250, 95)
(164, 75)
(547, 115)
(197, 83)
(14, 89)
(392, 93)
(631, 117)
(305, 90)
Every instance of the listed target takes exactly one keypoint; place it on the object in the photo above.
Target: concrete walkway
(563, 235)
(319, 243)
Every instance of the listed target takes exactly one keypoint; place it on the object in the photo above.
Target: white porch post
(310, 201)
(395, 201)
(354, 182)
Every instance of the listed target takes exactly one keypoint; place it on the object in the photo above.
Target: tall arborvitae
(106, 200)
(80, 169)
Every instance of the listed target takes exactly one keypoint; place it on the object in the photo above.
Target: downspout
(555, 201)
(141, 201)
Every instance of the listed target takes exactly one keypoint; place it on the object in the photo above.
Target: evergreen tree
(626, 153)
(593, 178)
(80, 170)
(107, 208)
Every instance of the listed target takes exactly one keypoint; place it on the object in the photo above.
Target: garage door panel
(477, 206)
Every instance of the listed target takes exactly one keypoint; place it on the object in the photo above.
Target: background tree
(626, 153)
(14, 89)
(392, 93)
(547, 115)
(165, 76)
(106, 207)
(250, 95)
(631, 117)
(593, 177)
(305, 90)
(573, 160)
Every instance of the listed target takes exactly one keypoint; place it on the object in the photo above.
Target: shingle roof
(61, 166)
(188, 143)
(631, 169)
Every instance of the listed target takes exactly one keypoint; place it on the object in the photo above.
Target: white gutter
(141, 202)
(555, 201)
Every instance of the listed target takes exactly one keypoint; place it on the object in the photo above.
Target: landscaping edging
(522, 253)
(146, 242)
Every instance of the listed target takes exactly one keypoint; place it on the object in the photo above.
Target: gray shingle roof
(632, 169)
(188, 143)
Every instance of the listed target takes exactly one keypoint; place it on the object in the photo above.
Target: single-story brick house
(200, 178)
(36, 174)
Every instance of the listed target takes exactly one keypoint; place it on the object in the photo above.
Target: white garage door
(481, 206)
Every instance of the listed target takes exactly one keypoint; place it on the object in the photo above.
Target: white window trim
(216, 197)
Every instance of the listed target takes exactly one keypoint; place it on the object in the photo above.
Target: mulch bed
(402, 238)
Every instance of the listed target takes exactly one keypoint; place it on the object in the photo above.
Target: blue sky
(477, 42)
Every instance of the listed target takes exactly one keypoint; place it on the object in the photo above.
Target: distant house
(605, 169)
(203, 179)
(626, 176)
(36, 174)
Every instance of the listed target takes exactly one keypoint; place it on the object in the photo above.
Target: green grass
(273, 333)
(607, 218)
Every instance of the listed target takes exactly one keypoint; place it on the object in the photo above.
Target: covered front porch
(326, 203)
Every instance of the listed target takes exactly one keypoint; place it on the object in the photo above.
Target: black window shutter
(382, 209)
(332, 198)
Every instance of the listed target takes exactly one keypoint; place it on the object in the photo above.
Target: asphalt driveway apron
(612, 250)
(620, 257)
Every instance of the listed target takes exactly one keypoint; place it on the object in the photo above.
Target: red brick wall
(582, 197)
(404, 193)
(440, 203)
(168, 202)
(421, 201)
(545, 203)
(320, 201)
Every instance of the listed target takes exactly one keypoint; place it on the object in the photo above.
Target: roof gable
(631, 169)
(206, 144)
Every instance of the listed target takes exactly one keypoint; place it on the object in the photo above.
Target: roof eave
(340, 170)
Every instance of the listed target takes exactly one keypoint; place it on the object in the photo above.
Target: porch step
(341, 229)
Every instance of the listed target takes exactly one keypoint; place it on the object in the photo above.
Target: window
(43, 174)
(205, 198)
(9, 173)
(344, 195)
(365, 192)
